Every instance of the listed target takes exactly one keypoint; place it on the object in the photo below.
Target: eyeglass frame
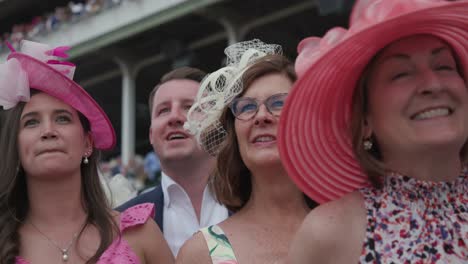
(258, 104)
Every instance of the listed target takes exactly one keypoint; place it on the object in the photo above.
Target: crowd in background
(62, 16)
(141, 174)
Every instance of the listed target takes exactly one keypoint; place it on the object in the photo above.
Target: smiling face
(417, 99)
(51, 138)
(171, 103)
(257, 136)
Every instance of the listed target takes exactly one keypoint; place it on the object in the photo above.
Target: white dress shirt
(180, 220)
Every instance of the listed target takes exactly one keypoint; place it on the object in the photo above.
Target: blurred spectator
(51, 22)
(93, 6)
(63, 14)
(17, 35)
(77, 10)
(36, 27)
(135, 173)
(116, 166)
(121, 190)
(152, 167)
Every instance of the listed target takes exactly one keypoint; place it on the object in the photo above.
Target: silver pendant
(64, 255)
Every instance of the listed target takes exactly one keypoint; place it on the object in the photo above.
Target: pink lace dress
(417, 222)
(119, 252)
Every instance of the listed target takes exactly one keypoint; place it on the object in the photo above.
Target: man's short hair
(182, 73)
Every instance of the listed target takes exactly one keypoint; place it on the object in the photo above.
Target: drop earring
(86, 155)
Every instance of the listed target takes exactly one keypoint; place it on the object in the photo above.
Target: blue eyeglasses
(245, 108)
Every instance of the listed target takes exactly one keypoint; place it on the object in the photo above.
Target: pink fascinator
(40, 67)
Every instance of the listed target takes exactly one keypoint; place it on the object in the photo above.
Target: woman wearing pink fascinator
(376, 129)
(52, 206)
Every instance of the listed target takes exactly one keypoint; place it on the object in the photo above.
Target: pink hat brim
(50, 81)
(314, 135)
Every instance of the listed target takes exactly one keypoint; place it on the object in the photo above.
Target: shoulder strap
(219, 247)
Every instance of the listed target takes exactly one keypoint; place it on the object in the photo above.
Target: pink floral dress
(412, 221)
(119, 252)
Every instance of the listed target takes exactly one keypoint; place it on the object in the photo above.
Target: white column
(128, 110)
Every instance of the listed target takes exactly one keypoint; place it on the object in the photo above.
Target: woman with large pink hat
(52, 205)
(376, 129)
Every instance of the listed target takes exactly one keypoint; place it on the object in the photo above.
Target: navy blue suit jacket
(156, 197)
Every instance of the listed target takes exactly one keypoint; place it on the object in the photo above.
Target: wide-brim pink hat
(36, 67)
(314, 132)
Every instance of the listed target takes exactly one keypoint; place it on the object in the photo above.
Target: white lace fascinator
(219, 88)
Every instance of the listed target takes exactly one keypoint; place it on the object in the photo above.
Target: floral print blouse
(413, 221)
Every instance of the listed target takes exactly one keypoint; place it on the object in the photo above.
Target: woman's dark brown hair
(231, 180)
(14, 201)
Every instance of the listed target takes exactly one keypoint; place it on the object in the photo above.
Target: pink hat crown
(366, 13)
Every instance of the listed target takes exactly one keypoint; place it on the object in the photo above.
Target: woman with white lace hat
(52, 205)
(235, 116)
(376, 130)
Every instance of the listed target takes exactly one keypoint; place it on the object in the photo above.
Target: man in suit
(183, 201)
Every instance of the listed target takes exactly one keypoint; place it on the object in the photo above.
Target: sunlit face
(171, 103)
(257, 136)
(51, 138)
(417, 99)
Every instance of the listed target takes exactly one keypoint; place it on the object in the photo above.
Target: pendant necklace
(63, 251)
